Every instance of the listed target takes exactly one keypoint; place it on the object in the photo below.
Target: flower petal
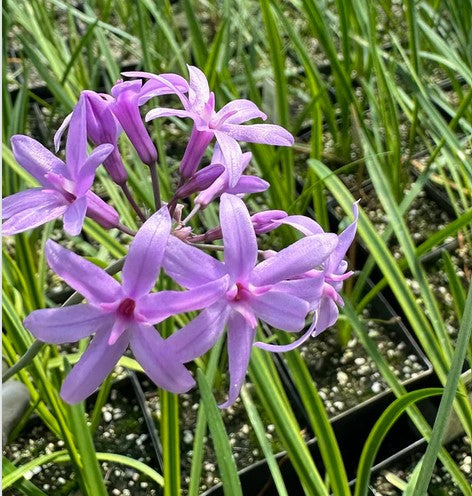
(166, 112)
(87, 171)
(233, 156)
(157, 307)
(60, 132)
(31, 218)
(190, 266)
(101, 212)
(74, 216)
(239, 111)
(145, 255)
(31, 198)
(240, 340)
(200, 334)
(96, 363)
(281, 310)
(345, 240)
(304, 224)
(199, 91)
(301, 256)
(282, 348)
(268, 134)
(248, 184)
(89, 280)
(158, 361)
(328, 313)
(67, 324)
(239, 237)
(309, 289)
(35, 158)
(76, 144)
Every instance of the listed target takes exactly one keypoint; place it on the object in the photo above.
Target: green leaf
(380, 430)
(224, 455)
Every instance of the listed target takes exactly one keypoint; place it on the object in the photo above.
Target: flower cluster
(283, 288)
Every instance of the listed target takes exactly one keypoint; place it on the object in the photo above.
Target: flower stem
(155, 186)
(126, 230)
(132, 202)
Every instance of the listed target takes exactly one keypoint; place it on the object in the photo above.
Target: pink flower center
(238, 292)
(70, 197)
(126, 308)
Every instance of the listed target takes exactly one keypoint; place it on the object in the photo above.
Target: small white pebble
(376, 387)
(107, 416)
(342, 377)
(359, 361)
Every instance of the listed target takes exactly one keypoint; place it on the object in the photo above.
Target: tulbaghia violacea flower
(120, 314)
(324, 302)
(245, 184)
(65, 189)
(102, 128)
(224, 125)
(129, 96)
(254, 291)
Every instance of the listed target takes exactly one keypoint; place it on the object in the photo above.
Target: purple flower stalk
(120, 315)
(224, 125)
(102, 127)
(252, 292)
(65, 190)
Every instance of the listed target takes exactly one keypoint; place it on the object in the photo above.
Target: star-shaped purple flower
(120, 314)
(325, 301)
(65, 189)
(254, 291)
(224, 125)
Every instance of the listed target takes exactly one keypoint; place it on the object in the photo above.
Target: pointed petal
(74, 216)
(327, 315)
(158, 361)
(157, 307)
(67, 324)
(89, 280)
(233, 157)
(345, 240)
(239, 111)
(35, 158)
(268, 134)
(190, 266)
(301, 256)
(31, 218)
(309, 289)
(281, 310)
(166, 112)
(239, 237)
(240, 340)
(60, 132)
(200, 334)
(282, 348)
(145, 255)
(304, 224)
(76, 144)
(199, 92)
(98, 360)
(248, 184)
(87, 172)
(31, 198)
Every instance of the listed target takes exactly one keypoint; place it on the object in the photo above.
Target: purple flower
(224, 125)
(325, 301)
(65, 189)
(102, 127)
(245, 184)
(253, 291)
(129, 96)
(120, 314)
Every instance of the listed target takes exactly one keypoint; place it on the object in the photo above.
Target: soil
(441, 483)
